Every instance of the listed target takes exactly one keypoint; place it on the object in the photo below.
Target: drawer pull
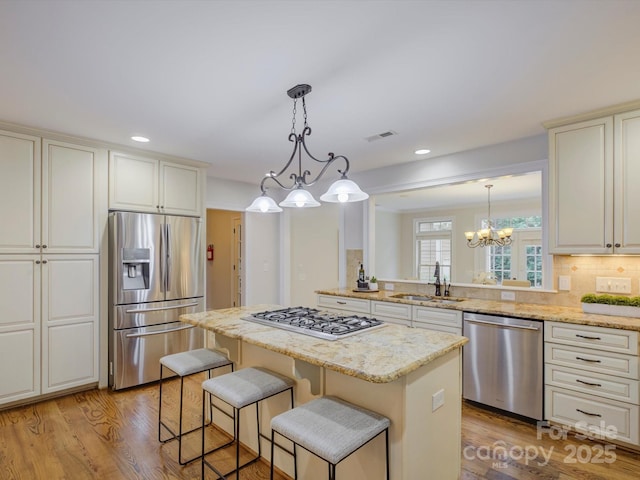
(588, 360)
(341, 303)
(588, 383)
(587, 413)
(587, 337)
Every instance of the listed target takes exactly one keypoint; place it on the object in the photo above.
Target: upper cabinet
(50, 195)
(147, 185)
(592, 199)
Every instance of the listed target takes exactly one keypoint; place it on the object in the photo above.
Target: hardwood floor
(107, 435)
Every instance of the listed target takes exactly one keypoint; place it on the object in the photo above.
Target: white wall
(313, 247)
(389, 246)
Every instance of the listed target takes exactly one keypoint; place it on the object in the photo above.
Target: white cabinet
(592, 380)
(53, 208)
(593, 202)
(439, 319)
(49, 202)
(148, 185)
(344, 304)
(398, 313)
(70, 312)
(19, 327)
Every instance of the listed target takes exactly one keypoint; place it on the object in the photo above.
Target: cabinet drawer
(438, 327)
(440, 316)
(608, 339)
(590, 414)
(394, 320)
(388, 309)
(616, 388)
(592, 360)
(356, 305)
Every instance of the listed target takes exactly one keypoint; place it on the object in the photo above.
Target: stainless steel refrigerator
(156, 274)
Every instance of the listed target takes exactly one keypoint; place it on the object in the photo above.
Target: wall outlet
(437, 400)
(613, 285)
(389, 286)
(564, 282)
(509, 296)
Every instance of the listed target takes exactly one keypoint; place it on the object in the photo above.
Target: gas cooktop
(313, 322)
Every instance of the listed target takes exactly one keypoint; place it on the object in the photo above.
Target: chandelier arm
(327, 163)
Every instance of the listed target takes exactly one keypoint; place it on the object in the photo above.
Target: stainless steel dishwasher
(503, 363)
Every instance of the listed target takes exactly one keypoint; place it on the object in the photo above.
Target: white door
(71, 200)
(133, 183)
(179, 189)
(19, 193)
(626, 191)
(19, 327)
(70, 306)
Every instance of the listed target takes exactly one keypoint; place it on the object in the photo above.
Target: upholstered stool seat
(184, 364)
(241, 389)
(331, 429)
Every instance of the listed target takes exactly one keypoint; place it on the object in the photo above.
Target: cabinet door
(133, 183)
(179, 189)
(581, 188)
(19, 193)
(19, 327)
(627, 174)
(73, 186)
(70, 305)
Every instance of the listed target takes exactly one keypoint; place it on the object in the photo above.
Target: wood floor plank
(100, 434)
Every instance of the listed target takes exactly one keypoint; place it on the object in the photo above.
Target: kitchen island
(411, 376)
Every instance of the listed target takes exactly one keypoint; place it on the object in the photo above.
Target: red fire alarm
(210, 252)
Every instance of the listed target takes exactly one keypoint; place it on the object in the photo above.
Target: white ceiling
(207, 80)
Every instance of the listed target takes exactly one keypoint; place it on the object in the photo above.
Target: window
(433, 244)
(522, 260)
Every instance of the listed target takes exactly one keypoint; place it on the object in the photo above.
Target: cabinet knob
(37, 246)
(608, 245)
(44, 246)
(617, 245)
(37, 262)
(44, 261)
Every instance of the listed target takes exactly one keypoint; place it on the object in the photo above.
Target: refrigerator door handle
(160, 332)
(158, 309)
(168, 258)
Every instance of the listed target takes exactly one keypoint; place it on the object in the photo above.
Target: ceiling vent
(380, 136)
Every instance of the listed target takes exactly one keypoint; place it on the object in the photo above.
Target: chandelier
(489, 237)
(342, 190)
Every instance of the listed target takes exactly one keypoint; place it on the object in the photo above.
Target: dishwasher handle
(504, 325)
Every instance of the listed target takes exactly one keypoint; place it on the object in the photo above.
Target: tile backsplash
(582, 271)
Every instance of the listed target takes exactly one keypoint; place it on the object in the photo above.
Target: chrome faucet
(436, 274)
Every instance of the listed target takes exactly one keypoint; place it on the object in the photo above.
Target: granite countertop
(381, 355)
(515, 309)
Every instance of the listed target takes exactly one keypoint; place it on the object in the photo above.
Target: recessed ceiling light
(422, 151)
(137, 138)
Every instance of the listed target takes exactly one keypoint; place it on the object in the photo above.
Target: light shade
(299, 198)
(344, 190)
(264, 204)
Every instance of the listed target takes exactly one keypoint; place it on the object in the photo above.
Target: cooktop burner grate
(313, 322)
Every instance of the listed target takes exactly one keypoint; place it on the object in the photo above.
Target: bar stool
(331, 429)
(184, 364)
(240, 389)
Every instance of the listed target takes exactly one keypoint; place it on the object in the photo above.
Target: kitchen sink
(426, 298)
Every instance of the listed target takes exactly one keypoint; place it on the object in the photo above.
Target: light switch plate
(564, 282)
(613, 285)
(509, 296)
(437, 400)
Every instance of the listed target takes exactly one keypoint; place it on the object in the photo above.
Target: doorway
(224, 259)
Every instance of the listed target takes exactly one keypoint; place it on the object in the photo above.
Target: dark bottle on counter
(361, 274)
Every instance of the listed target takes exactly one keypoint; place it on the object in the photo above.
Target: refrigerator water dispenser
(135, 268)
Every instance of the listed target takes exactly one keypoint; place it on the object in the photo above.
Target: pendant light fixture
(489, 236)
(342, 190)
